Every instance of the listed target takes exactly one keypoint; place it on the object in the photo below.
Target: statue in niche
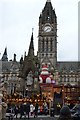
(30, 78)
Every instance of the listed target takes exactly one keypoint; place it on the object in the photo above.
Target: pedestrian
(65, 113)
(45, 108)
(21, 110)
(28, 109)
(16, 110)
(10, 112)
(31, 108)
(4, 108)
(36, 110)
(58, 108)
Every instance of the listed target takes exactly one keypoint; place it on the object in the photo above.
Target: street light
(26, 92)
(63, 93)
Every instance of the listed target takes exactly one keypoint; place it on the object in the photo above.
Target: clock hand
(47, 29)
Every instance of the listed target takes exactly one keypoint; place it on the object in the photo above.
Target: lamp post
(49, 105)
(26, 92)
(63, 93)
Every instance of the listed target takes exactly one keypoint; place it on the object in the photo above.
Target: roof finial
(48, 0)
(32, 30)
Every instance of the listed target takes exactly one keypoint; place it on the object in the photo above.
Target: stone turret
(14, 57)
(4, 57)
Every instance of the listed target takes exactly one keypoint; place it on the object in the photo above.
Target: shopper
(36, 110)
(65, 113)
(28, 109)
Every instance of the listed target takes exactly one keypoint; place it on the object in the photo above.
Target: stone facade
(15, 73)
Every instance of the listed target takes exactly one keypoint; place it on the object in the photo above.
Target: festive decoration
(45, 76)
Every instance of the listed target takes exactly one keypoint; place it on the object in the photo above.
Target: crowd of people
(29, 109)
(26, 109)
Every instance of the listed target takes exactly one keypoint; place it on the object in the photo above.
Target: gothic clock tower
(47, 41)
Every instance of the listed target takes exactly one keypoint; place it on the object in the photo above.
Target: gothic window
(42, 55)
(43, 45)
(71, 79)
(50, 55)
(71, 68)
(77, 79)
(51, 46)
(55, 43)
(13, 77)
(47, 45)
(46, 54)
(74, 80)
(14, 88)
(48, 12)
(62, 79)
(39, 45)
(66, 78)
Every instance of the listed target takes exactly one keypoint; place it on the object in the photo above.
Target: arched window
(51, 44)
(47, 45)
(43, 45)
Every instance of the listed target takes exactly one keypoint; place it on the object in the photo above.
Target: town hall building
(27, 74)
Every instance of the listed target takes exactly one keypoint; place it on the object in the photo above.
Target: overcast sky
(18, 17)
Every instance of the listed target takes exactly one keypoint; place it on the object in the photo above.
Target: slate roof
(9, 66)
(68, 65)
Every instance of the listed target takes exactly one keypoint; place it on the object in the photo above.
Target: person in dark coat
(21, 110)
(10, 110)
(65, 113)
(16, 110)
(28, 109)
(36, 110)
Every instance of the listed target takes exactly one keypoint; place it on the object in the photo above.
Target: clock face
(47, 28)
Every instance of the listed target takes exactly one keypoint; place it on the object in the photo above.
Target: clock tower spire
(47, 41)
(48, 0)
